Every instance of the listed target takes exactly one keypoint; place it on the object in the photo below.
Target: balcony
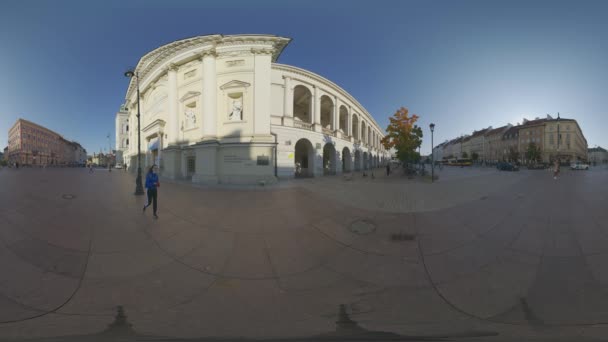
(302, 125)
(328, 131)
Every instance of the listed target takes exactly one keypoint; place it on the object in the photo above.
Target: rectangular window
(191, 165)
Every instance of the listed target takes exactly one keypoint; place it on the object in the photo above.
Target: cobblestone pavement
(513, 254)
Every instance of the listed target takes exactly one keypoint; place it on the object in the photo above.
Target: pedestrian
(152, 184)
(90, 168)
(556, 169)
(388, 169)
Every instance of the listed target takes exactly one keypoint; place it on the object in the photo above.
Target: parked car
(579, 166)
(504, 166)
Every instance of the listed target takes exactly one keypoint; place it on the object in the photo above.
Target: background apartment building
(35, 145)
(556, 138)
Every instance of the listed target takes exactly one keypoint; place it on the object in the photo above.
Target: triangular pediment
(235, 84)
(190, 95)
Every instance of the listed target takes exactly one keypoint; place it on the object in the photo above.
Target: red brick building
(35, 145)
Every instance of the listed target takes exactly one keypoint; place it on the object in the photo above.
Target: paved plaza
(503, 255)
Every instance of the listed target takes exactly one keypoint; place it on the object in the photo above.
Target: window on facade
(191, 164)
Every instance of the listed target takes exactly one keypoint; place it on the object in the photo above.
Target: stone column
(261, 90)
(336, 116)
(172, 99)
(316, 106)
(287, 102)
(209, 96)
(160, 147)
(349, 122)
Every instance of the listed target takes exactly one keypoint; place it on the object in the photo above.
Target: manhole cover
(68, 196)
(362, 227)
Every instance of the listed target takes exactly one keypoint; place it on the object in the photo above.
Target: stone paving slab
(517, 254)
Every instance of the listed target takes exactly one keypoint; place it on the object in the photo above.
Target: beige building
(598, 155)
(493, 144)
(511, 143)
(478, 144)
(568, 145)
(221, 109)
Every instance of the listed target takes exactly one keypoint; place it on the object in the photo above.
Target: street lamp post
(558, 139)
(109, 153)
(139, 189)
(432, 126)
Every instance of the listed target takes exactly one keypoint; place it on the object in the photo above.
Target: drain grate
(68, 196)
(402, 237)
(362, 227)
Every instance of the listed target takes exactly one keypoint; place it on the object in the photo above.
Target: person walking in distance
(556, 169)
(152, 184)
(388, 169)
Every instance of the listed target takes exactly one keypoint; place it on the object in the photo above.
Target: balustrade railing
(302, 125)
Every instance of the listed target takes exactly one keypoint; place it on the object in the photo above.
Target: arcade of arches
(305, 157)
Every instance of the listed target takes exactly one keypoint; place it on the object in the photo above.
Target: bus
(460, 162)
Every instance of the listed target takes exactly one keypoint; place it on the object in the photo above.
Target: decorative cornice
(262, 51)
(208, 53)
(189, 95)
(235, 84)
(151, 60)
(172, 67)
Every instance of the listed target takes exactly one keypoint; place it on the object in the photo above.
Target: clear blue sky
(463, 65)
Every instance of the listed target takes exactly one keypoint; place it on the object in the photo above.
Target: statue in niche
(237, 109)
(190, 118)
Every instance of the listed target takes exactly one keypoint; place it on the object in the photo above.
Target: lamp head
(129, 73)
(432, 126)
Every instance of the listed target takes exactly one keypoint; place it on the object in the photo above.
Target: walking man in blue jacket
(152, 184)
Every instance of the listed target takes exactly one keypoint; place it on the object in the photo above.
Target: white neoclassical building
(219, 108)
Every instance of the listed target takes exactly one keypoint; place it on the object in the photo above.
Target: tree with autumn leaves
(404, 135)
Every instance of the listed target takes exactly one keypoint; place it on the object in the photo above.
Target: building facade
(478, 144)
(35, 145)
(221, 109)
(493, 140)
(122, 136)
(598, 155)
(556, 138)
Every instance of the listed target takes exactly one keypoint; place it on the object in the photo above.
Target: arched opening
(355, 127)
(357, 160)
(365, 161)
(302, 104)
(327, 109)
(329, 159)
(363, 132)
(346, 160)
(343, 119)
(369, 136)
(304, 158)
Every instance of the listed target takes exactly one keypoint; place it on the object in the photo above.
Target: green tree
(465, 155)
(533, 152)
(474, 156)
(403, 135)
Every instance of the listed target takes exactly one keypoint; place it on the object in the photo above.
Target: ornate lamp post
(432, 127)
(139, 189)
